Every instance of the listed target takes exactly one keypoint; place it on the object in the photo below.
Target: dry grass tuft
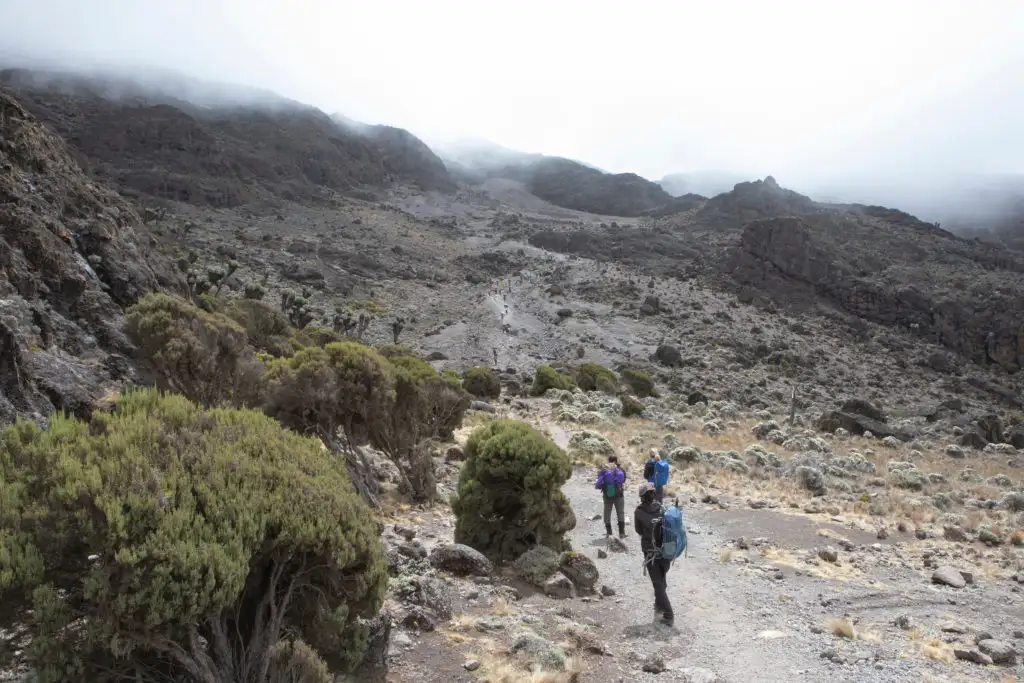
(501, 608)
(462, 622)
(842, 628)
(932, 648)
(499, 669)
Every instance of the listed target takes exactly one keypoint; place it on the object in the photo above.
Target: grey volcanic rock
(460, 560)
(858, 424)
(73, 254)
(802, 258)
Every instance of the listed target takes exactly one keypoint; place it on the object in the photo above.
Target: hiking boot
(608, 530)
(622, 530)
(667, 619)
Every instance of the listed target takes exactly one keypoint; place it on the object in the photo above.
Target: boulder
(1000, 651)
(1016, 436)
(650, 306)
(859, 406)
(991, 428)
(460, 560)
(972, 439)
(668, 355)
(859, 424)
(948, 576)
(559, 587)
(580, 569)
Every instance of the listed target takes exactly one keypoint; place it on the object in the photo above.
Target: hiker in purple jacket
(611, 481)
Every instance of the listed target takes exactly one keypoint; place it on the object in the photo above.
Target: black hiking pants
(657, 569)
(619, 503)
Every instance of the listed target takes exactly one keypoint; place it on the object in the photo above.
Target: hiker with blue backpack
(656, 472)
(611, 482)
(662, 540)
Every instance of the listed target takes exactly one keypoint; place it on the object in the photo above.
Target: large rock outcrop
(72, 255)
(963, 294)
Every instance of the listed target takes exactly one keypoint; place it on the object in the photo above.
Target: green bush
(481, 382)
(394, 403)
(319, 390)
(509, 496)
(596, 377)
(312, 335)
(630, 406)
(638, 381)
(546, 378)
(201, 355)
(164, 541)
(266, 327)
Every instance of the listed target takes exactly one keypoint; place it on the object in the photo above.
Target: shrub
(482, 383)
(343, 385)
(312, 335)
(546, 378)
(638, 381)
(201, 355)
(449, 402)
(596, 377)
(162, 541)
(509, 496)
(631, 406)
(394, 403)
(266, 327)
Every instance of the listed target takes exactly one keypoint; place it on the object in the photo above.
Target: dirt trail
(734, 626)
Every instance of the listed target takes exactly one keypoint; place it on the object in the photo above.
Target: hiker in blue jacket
(659, 477)
(611, 481)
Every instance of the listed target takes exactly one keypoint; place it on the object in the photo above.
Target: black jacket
(643, 522)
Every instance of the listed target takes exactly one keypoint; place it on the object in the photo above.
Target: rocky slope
(779, 248)
(150, 143)
(72, 255)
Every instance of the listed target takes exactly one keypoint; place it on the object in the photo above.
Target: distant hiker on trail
(494, 350)
(662, 539)
(656, 472)
(611, 481)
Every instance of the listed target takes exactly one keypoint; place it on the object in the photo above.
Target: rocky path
(734, 622)
(728, 627)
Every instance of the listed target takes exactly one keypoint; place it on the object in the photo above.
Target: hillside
(72, 255)
(563, 182)
(793, 360)
(149, 142)
(775, 245)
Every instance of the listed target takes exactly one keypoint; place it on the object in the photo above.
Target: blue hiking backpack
(669, 533)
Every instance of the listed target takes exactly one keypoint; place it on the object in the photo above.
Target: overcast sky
(801, 89)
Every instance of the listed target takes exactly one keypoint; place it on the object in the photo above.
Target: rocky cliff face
(881, 265)
(72, 255)
(917, 279)
(152, 143)
(407, 158)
